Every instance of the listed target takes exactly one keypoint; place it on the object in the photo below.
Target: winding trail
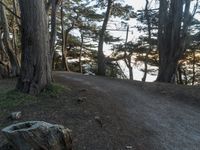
(156, 122)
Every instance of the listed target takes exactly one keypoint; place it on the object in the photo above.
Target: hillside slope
(154, 115)
(121, 114)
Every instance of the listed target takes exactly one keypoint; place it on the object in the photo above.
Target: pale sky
(133, 35)
(114, 23)
(137, 4)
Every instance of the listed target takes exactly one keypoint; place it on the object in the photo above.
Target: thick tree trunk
(169, 39)
(36, 69)
(101, 56)
(167, 70)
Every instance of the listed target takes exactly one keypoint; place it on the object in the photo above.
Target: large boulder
(38, 135)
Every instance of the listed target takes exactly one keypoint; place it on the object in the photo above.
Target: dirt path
(142, 119)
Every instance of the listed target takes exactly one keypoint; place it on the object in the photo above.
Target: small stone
(16, 115)
(163, 92)
(108, 117)
(98, 120)
(129, 147)
(83, 90)
(82, 99)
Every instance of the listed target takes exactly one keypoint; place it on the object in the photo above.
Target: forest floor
(111, 114)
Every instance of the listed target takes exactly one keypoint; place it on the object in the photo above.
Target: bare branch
(10, 10)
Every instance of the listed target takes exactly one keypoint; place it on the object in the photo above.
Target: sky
(133, 35)
(137, 4)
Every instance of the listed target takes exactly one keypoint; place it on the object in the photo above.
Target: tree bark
(149, 40)
(15, 68)
(80, 55)
(4, 62)
(101, 57)
(64, 40)
(185, 77)
(15, 27)
(127, 58)
(179, 75)
(16, 10)
(54, 6)
(193, 67)
(169, 39)
(36, 68)
(130, 68)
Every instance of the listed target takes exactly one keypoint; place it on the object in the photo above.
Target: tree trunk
(4, 63)
(167, 71)
(185, 77)
(16, 10)
(36, 69)
(169, 39)
(179, 75)
(131, 73)
(54, 5)
(15, 68)
(145, 66)
(149, 41)
(80, 55)
(127, 59)
(101, 57)
(130, 68)
(64, 40)
(193, 67)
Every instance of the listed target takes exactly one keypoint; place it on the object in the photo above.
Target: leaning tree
(35, 64)
(6, 47)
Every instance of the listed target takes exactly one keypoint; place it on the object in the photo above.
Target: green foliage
(14, 98)
(125, 12)
(53, 90)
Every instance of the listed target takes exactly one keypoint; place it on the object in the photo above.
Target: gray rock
(129, 147)
(37, 135)
(16, 115)
(99, 120)
(82, 99)
(83, 90)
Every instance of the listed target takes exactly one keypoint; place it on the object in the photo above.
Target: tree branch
(10, 10)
